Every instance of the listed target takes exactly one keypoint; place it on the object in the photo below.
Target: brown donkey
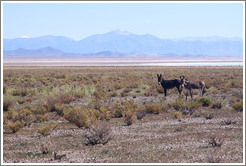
(189, 85)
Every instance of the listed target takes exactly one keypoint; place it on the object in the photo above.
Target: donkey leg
(191, 94)
(179, 90)
(186, 95)
(165, 91)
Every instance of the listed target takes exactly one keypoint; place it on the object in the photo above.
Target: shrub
(96, 103)
(209, 116)
(8, 100)
(178, 104)
(98, 134)
(81, 117)
(119, 109)
(127, 90)
(206, 101)
(238, 106)
(217, 104)
(21, 100)
(20, 92)
(13, 114)
(140, 114)
(129, 117)
(104, 113)
(42, 118)
(59, 107)
(178, 115)
(15, 126)
(154, 108)
(45, 130)
(186, 107)
(123, 94)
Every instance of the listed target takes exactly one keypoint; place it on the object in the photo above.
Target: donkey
(169, 84)
(189, 85)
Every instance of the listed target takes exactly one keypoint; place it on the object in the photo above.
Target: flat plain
(119, 114)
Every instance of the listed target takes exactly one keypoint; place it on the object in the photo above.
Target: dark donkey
(169, 84)
(189, 85)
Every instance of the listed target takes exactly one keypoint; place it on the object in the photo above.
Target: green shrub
(238, 106)
(8, 101)
(178, 104)
(15, 126)
(206, 101)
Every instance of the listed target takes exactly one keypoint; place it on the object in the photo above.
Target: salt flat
(125, 61)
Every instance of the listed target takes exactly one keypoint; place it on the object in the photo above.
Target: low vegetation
(105, 114)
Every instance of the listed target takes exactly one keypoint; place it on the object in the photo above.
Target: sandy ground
(134, 61)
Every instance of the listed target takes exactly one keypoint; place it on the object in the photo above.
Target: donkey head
(159, 78)
(183, 81)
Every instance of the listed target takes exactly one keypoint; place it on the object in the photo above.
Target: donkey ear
(180, 77)
(157, 75)
(161, 75)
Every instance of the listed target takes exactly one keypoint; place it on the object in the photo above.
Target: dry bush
(20, 92)
(129, 117)
(238, 106)
(126, 90)
(13, 114)
(141, 112)
(42, 117)
(119, 109)
(81, 117)
(21, 100)
(215, 141)
(154, 108)
(46, 130)
(123, 94)
(104, 113)
(209, 116)
(217, 104)
(178, 115)
(15, 126)
(98, 134)
(228, 122)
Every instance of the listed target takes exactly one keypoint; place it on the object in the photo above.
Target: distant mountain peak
(120, 32)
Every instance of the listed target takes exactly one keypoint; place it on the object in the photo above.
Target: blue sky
(164, 20)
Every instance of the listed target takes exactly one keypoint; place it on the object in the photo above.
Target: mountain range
(120, 44)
